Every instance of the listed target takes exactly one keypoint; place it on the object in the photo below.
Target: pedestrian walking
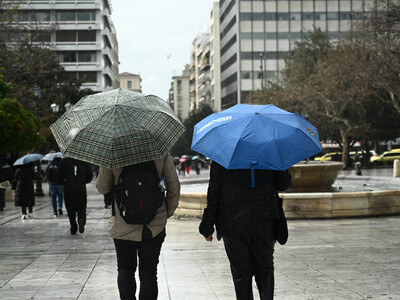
(56, 189)
(244, 217)
(140, 244)
(74, 175)
(5, 179)
(24, 196)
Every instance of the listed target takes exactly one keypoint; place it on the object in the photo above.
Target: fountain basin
(314, 176)
(314, 205)
(312, 195)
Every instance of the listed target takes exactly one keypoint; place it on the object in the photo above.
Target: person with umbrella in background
(119, 130)
(24, 195)
(251, 146)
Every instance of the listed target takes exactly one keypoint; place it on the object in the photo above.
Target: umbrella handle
(253, 181)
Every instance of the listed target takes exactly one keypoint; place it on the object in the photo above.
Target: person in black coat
(6, 177)
(244, 217)
(74, 175)
(24, 196)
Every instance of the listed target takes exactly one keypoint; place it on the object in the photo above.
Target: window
(88, 76)
(66, 36)
(332, 16)
(87, 56)
(40, 16)
(320, 16)
(295, 16)
(41, 36)
(66, 16)
(67, 56)
(85, 15)
(129, 84)
(86, 36)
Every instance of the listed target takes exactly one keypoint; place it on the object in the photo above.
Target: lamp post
(262, 71)
(37, 92)
(55, 108)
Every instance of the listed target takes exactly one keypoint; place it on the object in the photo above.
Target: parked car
(386, 157)
(331, 156)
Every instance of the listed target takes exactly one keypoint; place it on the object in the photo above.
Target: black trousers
(250, 250)
(148, 252)
(75, 203)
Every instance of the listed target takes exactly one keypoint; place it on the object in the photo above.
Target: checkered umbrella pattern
(117, 128)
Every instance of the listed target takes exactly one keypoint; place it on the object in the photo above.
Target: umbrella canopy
(28, 158)
(117, 128)
(255, 137)
(51, 156)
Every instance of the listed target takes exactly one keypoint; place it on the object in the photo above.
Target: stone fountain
(312, 196)
(314, 176)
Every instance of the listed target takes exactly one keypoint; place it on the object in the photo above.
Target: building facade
(215, 63)
(82, 34)
(129, 81)
(256, 35)
(179, 94)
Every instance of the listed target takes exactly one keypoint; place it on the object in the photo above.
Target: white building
(179, 94)
(256, 35)
(82, 34)
(215, 63)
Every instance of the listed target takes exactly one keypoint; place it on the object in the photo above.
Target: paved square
(323, 259)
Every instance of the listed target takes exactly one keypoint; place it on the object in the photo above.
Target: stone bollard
(396, 168)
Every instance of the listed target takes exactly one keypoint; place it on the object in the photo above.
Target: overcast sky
(155, 38)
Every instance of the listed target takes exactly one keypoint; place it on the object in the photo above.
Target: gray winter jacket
(117, 227)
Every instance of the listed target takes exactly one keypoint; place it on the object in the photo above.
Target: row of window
(231, 23)
(88, 76)
(61, 36)
(300, 16)
(227, 10)
(76, 56)
(258, 74)
(285, 35)
(231, 79)
(76, 36)
(257, 55)
(62, 16)
(287, 0)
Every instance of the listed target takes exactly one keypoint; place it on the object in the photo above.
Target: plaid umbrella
(117, 128)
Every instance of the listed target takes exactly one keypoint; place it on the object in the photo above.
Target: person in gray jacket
(133, 241)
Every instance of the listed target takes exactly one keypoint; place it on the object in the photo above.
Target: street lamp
(37, 92)
(55, 107)
(262, 71)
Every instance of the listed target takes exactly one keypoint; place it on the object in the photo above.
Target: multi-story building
(215, 64)
(205, 66)
(256, 35)
(82, 34)
(130, 82)
(179, 94)
(200, 80)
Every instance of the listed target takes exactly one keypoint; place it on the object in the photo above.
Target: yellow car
(336, 156)
(386, 157)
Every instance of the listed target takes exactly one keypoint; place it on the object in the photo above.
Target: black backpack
(52, 173)
(75, 179)
(138, 194)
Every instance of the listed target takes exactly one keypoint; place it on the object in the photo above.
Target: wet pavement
(356, 258)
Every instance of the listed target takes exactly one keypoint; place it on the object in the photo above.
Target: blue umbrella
(255, 137)
(28, 158)
(52, 155)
